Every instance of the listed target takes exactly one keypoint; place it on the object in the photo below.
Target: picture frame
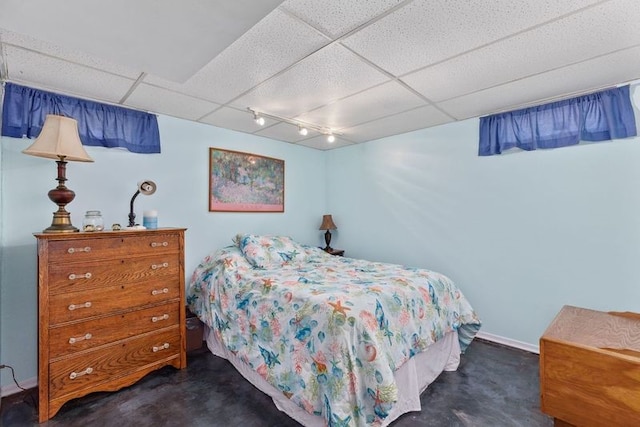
(245, 182)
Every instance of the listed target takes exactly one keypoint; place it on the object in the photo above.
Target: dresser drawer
(94, 333)
(73, 250)
(116, 299)
(74, 277)
(90, 369)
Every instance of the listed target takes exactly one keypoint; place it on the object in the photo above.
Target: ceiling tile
(283, 131)
(425, 32)
(270, 46)
(231, 118)
(338, 17)
(384, 100)
(70, 55)
(162, 37)
(31, 68)
(587, 76)
(320, 143)
(330, 74)
(157, 100)
(419, 118)
(590, 33)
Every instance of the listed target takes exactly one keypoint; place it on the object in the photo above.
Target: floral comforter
(327, 331)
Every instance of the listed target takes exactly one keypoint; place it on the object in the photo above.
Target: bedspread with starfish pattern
(328, 331)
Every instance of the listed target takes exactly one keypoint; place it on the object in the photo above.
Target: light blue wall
(522, 234)
(181, 173)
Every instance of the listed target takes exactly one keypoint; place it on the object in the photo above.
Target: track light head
(258, 119)
(302, 130)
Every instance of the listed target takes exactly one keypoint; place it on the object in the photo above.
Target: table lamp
(59, 140)
(327, 224)
(146, 187)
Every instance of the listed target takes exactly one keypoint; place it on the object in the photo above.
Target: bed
(334, 341)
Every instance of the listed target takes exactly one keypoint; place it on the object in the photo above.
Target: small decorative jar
(92, 221)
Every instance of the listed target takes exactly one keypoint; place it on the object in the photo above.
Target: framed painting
(245, 182)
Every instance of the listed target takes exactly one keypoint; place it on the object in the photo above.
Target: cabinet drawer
(88, 249)
(102, 301)
(89, 370)
(74, 277)
(93, 333)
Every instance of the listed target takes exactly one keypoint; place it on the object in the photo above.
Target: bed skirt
(412, 378)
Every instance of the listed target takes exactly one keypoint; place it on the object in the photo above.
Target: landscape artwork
(245, 182)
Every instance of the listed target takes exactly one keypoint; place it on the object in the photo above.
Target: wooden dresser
(110, 310)
(590, 368)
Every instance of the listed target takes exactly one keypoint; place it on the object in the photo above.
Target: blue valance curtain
(598, 116)
(24, 111)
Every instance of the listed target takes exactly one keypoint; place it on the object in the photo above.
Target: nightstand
(195, 331)
(589, 368)
(336, 252)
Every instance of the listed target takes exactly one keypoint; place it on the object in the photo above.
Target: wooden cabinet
(590, 368)
(110, 310)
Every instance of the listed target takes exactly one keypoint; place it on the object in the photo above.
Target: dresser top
(105, 234)
(613, 330)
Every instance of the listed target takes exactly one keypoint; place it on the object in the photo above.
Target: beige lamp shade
(327, 223)
(59, 138)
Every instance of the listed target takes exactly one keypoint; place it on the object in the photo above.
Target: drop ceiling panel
(149, 34)
(271, 45)
(588, 76)
(158, 100)
(419, 118)
(33, 69)
(384, 100)
(425, 32)
(231, 118)
(283, 131)
(330, 74)
(337, 17)
(594, 32)
(50, 49)
(320, 143)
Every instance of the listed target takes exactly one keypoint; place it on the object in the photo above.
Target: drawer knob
(155, 319)
(74, 375)
(74, 340)
(159, 244)
(160, 291)
(85, 305)
(79, 276)
(157, 266)
(161, 347)
(74, 250)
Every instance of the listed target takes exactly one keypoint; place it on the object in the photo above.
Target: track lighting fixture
(303, 127)
(258, 119)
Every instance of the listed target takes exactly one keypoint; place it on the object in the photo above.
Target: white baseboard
(10, 389)
(509, 342)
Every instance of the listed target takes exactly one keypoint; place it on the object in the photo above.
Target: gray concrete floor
(494, 386)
